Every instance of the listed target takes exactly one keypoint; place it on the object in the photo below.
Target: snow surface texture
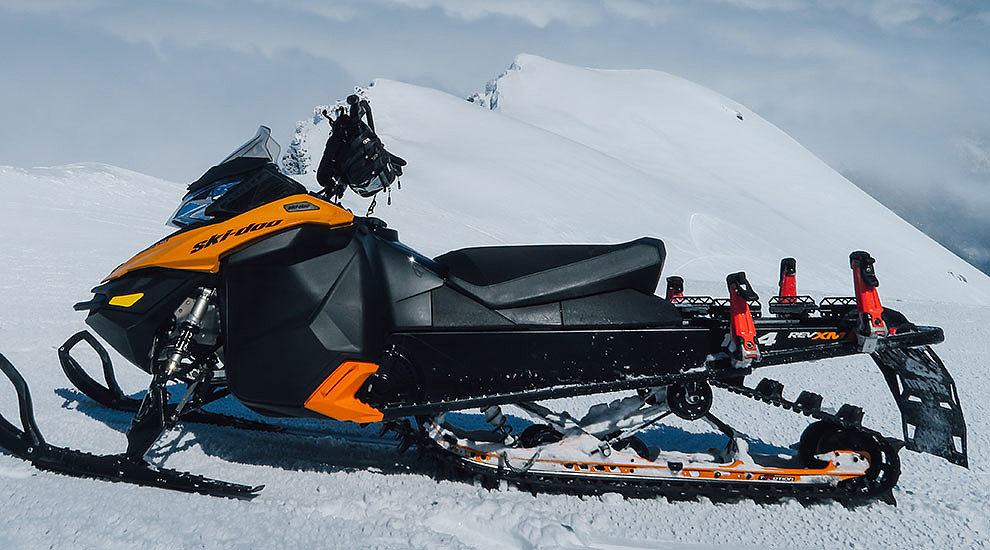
(477, 177)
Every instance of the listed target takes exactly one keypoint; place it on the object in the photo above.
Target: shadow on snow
(333, 446)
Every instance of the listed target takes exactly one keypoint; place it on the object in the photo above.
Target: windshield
(223, 177)
(260, 146)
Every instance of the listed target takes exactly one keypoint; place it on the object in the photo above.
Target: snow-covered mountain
(553, 153)
(568, 154)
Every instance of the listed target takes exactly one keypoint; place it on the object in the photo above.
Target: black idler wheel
(825, 436)
(634, 443)
(539, 434)
(690, 400)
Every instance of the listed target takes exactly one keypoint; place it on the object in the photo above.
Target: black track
(851, 491)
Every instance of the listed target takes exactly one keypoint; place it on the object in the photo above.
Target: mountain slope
(574, 154)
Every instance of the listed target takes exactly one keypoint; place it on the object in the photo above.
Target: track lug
(770, 388)
(850, 414)
(809, 402)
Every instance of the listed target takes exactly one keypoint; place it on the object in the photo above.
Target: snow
(589, 155)
(554, 163)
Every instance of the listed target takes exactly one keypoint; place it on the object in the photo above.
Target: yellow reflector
(127, 300)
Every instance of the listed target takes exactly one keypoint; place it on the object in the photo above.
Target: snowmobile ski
(28, 443)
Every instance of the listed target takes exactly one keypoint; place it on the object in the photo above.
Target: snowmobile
(296, 307)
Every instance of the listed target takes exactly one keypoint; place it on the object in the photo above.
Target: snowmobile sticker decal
(823, 335)
(218, 238)
(300, 206)
(770, 339)
(201, 248)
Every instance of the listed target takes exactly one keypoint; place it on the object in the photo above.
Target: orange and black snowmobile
(296, 307)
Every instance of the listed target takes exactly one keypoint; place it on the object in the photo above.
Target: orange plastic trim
(200, 249)
(335, 396)
(735, 471)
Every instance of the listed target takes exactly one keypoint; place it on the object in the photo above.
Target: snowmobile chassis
(922, 388)
(296, 307)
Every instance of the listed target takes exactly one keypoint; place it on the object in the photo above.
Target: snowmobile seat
(518, 276)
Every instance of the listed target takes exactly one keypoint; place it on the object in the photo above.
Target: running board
(931, 416)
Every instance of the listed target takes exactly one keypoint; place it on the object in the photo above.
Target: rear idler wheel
(825, 436)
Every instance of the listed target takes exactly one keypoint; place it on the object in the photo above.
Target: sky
(892, 93)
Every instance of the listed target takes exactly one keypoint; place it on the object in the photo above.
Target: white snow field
(568, 155)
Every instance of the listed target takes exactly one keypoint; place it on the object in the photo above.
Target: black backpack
(354, 156)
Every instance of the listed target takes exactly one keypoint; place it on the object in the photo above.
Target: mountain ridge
(582, 153)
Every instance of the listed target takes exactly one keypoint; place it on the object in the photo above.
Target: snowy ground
(350, 489)
(65, 228)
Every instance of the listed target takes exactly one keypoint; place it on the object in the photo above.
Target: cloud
(975, 154)
(580, 13)
(889, 14)
(327, 9)
(776, 5)
(886, 14)
(55, 6)
(794, 43)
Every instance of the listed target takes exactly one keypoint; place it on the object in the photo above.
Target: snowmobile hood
(201, 248)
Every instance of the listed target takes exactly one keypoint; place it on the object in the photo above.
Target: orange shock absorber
(742, 329)
(868, 306)
(675, 288)
(788, 278)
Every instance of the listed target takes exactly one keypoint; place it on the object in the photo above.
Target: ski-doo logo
(221, 237)
(821, 335)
